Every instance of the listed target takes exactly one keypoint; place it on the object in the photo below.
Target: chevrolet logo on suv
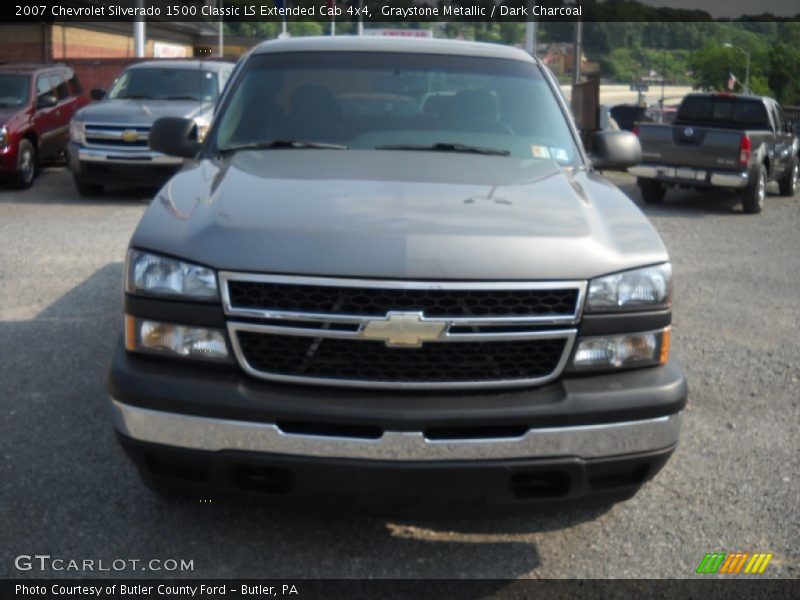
(403, 329)
(129, 135)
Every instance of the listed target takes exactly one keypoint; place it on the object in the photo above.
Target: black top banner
(397, 11)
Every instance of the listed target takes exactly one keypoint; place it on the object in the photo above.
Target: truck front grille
(406, 334)
(369, 361)
(117, 136)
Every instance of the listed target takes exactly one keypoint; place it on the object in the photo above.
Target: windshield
(396, 101)
(13, 90)
(166, 84)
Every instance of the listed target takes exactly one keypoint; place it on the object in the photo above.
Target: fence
(792, 113)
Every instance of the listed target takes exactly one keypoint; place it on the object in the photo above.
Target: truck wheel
(22, 179)
(653, 192)
(88, 189)
(788, 183)
(754, 194)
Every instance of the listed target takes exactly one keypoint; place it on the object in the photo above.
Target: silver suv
(108, 139)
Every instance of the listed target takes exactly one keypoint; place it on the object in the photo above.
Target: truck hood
(397, 214)
(142, 112)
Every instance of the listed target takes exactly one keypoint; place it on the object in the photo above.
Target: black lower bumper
(216, 431)
(331, 482)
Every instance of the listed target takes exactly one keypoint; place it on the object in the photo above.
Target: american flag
(732, 81)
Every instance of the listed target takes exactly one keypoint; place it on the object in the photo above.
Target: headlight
(3, 137)
(156, 275)
(622, 351)
(155, 337)
(647, 288)
(77, 132)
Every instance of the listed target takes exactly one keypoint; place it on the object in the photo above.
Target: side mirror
(97, 94)
(615, 150)
(46, 101)
(175, 136)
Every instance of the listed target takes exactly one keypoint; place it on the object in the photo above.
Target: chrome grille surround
(275, 321)
(110, 135)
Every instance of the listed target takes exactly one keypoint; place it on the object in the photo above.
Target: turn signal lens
(622, 351)
(156, 337)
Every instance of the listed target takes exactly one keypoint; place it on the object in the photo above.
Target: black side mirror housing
(615, 150)
(46, 101)
(97, 94)
(175, 136)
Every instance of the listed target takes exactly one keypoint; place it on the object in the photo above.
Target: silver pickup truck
(725, 141)
(108, 139)
(351, 291)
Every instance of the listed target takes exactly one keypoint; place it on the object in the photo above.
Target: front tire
(788, 183)
(652, 191)
(23, 177)
(755, 194)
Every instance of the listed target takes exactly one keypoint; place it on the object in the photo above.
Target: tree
(782, 77)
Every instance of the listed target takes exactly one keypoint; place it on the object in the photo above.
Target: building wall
(21, 43)
(69, 41)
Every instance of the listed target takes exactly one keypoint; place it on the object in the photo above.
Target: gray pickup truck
(350, 291)
(108, 139)
(725, 141)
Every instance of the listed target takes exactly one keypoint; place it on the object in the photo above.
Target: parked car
(454, 305)
(36, 105)
(109, 138)
(726, 141)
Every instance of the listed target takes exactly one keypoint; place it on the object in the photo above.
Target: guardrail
(792, 113)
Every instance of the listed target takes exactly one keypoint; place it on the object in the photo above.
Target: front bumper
(112, 165)
(8, 158)
(192, 425)
(691, 176)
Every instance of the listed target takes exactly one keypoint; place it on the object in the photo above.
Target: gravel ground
(67, 490)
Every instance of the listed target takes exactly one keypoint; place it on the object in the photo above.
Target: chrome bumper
(585, 441)
(126, 157)
(726, 179)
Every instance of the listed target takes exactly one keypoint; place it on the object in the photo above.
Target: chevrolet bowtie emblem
(403, 329)
(129, 135)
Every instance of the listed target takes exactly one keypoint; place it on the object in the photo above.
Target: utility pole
(221, 33)
(577, 46)
(663, 77)
(530, 33)
(360, 18)
(139, 43)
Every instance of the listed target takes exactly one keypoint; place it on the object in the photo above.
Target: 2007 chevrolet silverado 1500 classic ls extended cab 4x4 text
(390, 271)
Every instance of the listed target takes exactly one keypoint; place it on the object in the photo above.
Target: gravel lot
(67, 490)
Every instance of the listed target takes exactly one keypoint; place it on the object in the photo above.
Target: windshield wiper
(282, 144)
(186, 97)
(446, 147)
(134, 97)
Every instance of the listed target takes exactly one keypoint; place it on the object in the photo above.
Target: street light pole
(747, 67)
